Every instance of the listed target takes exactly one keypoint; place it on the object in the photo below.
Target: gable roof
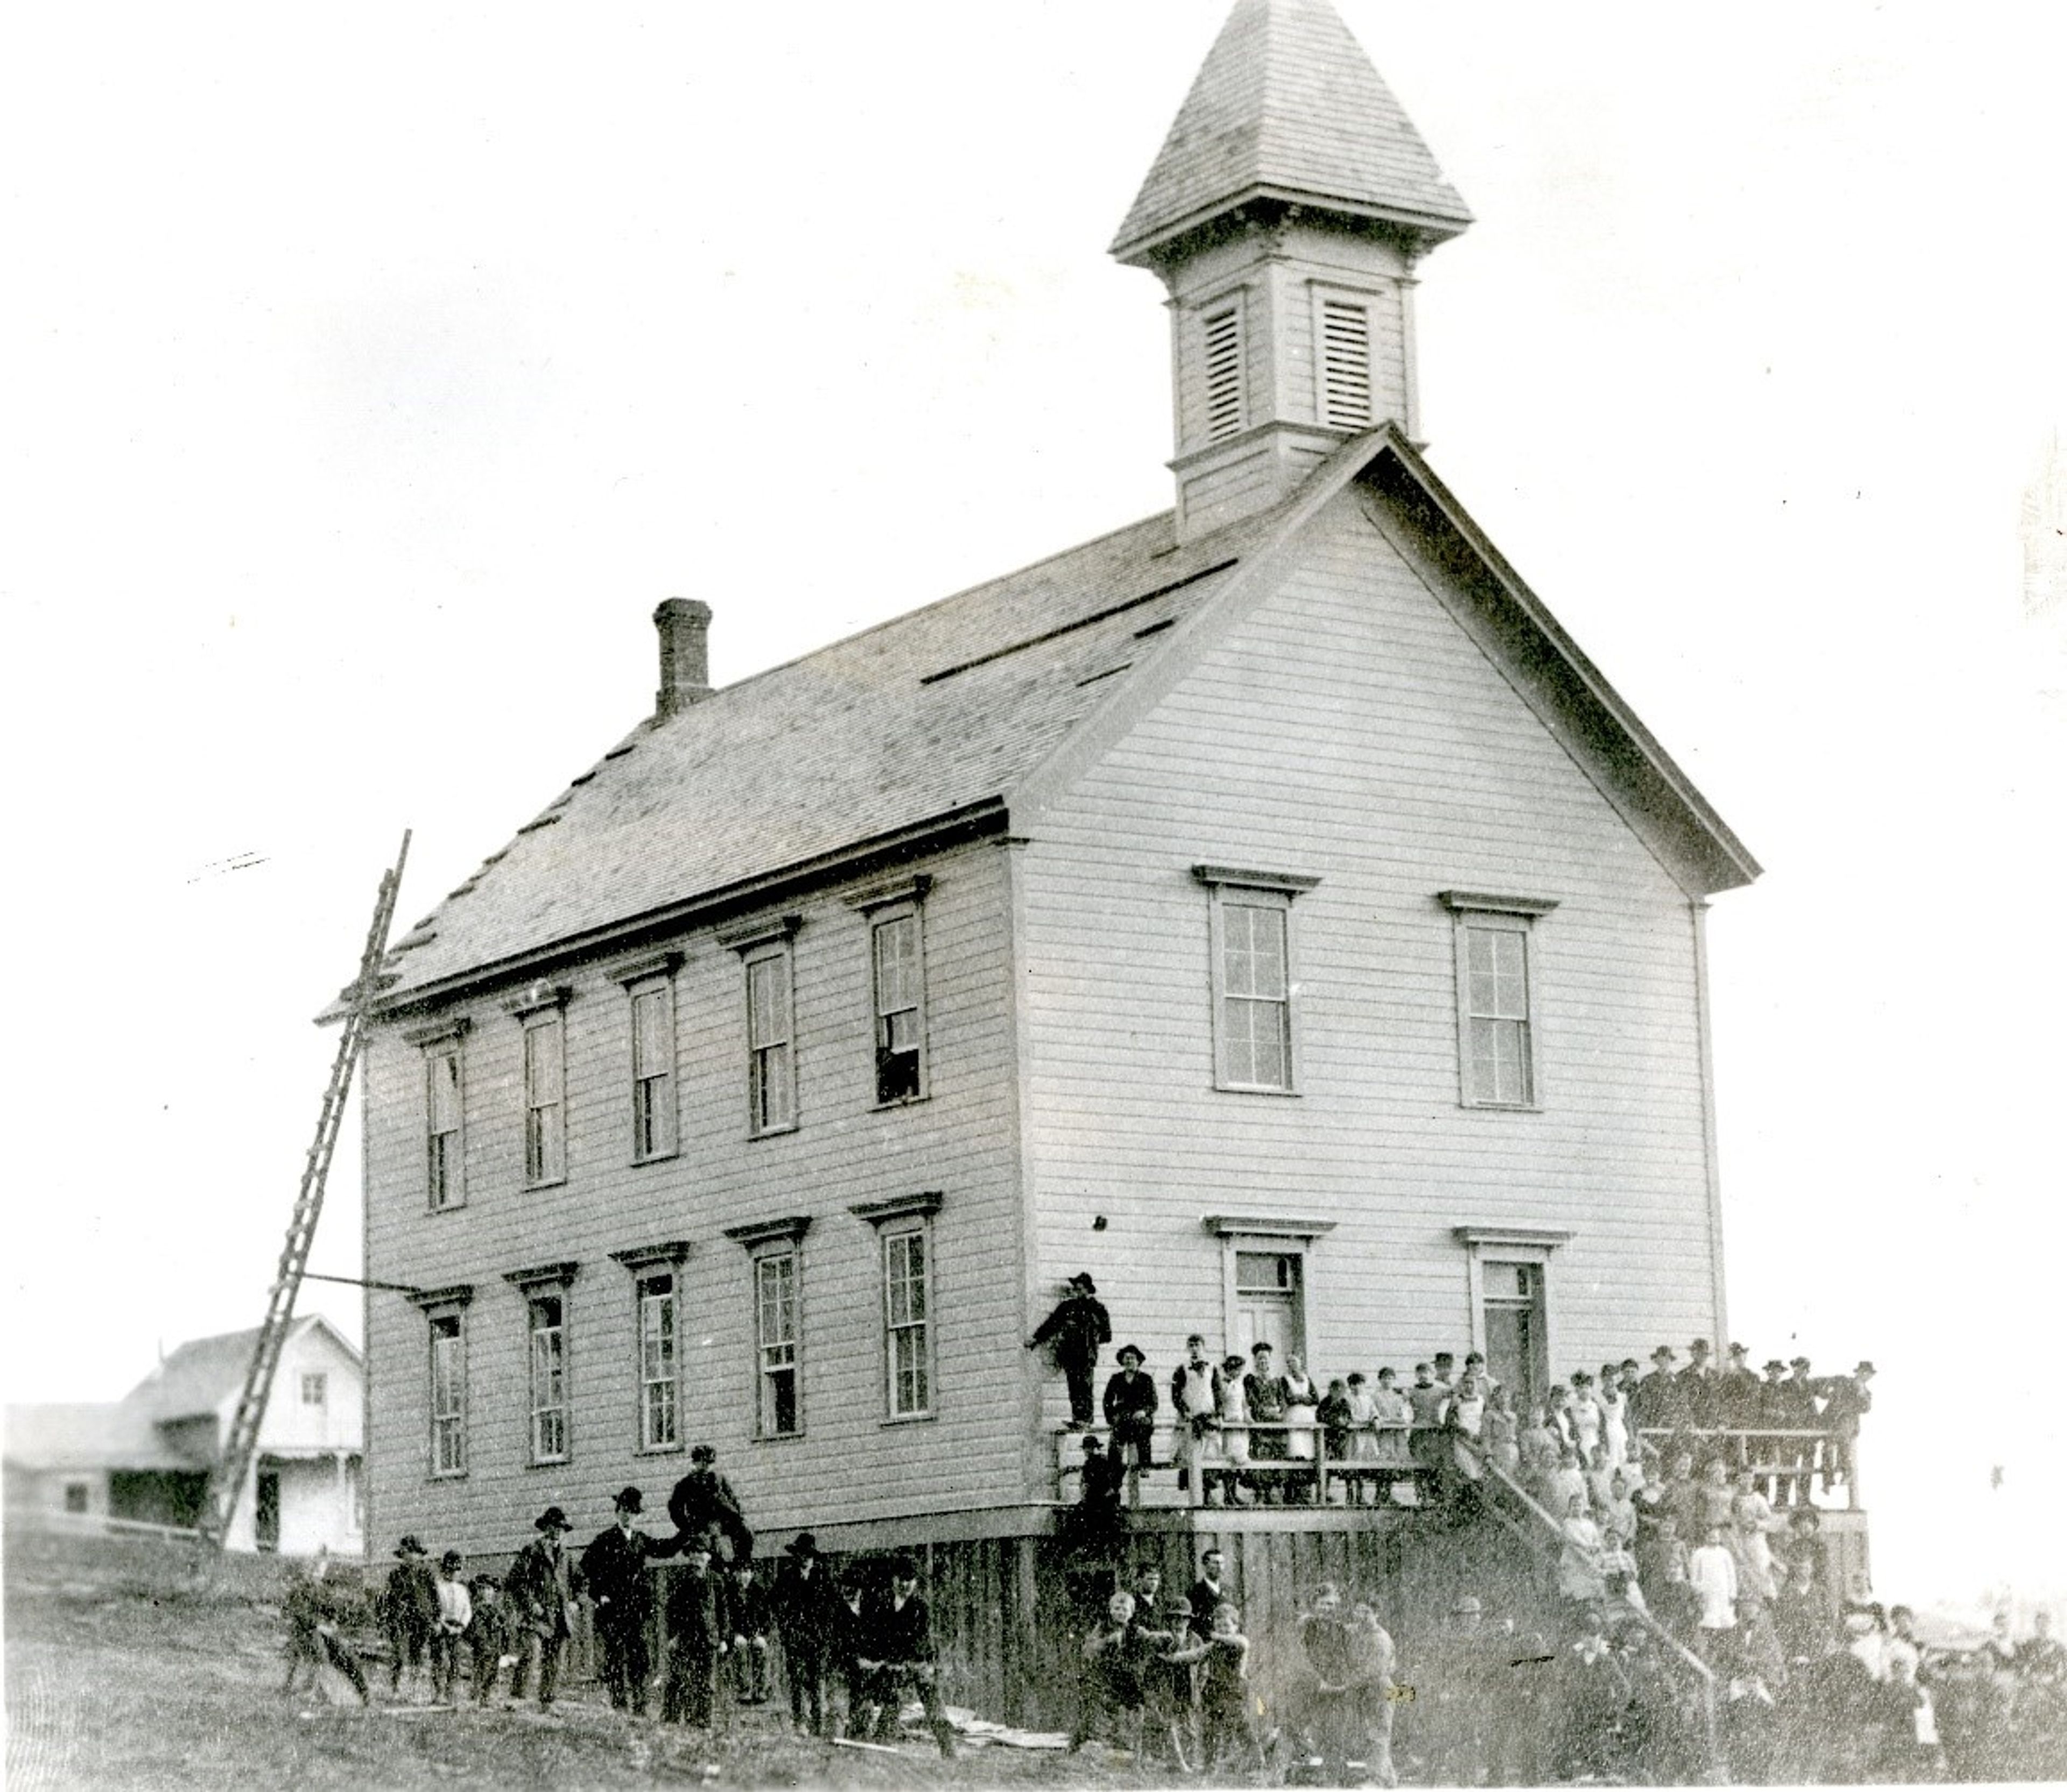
(1287, 106)
(935, 713)
(991, 700)
(203, 1373)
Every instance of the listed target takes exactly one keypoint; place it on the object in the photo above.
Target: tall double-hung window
(775, 1268)
(445, 1111)
(657, 1273)
(649, 988)
(445, 1309)
(541, 1014)
(904, 1236)
(897, 987)
(767, 961)
(1250, 934)
(1497, 1044)
(550, 1402)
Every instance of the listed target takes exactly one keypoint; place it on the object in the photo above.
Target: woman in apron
(1302, 1404)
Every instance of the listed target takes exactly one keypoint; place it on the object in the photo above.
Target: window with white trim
(1224, 358)
(908, 1317)
(659, 1315)
(1507, 1275)
(545, 1098)
(316, 1388)
(1497, 1010)
(652, 1070)
(897, 987)
(771, 1063)
(444, 1113)
(1251, 942)
(777, 1339)
(547, 1328)
(448, 1403)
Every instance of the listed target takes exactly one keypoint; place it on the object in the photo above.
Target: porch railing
(1787, 1460)
(1211, 1458)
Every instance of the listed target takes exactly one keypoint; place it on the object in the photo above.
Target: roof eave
(1140, 248)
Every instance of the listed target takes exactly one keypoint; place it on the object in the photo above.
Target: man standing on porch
(1195, 1396)
(1130, 1409)
(1078, 1328)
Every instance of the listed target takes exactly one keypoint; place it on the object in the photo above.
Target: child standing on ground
(1224, 1692)
(488, 1636)
(455, 1613)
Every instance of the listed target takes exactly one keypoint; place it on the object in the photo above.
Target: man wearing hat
(1130, 1409)
(703, 1504)
(408, 1609)
(807, 1618)
(1078, 1329)
(542, 1588)
(1655, 1402)
(613, 1570)
(1737, 1392)
(896, 1655)
(1697, 1386)
(1847, 1399)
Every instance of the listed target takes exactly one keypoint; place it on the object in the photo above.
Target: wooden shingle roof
(935, 712)
(1287, 107)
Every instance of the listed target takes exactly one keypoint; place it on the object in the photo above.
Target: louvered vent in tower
(1223, 374)
(1344, 364)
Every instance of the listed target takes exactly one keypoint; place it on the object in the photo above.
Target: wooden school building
(1268, 908)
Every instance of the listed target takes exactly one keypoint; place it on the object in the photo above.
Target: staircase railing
(1550, 1532)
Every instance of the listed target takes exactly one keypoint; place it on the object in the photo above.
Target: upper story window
(445, 1309)
(545, 1291)
(1342, 335)
(445, 1112)
(904, 1226)
(1221, 325)
(649, 983)
(1251, 934)
(897, 982)
(540, 1011)
(1496, 1008)
(315, 1389)
(766, 954)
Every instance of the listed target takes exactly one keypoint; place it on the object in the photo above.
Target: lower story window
(659, 1428)
(908, 1321)
(549, 1378)
(447, 1395)
(777, 1335)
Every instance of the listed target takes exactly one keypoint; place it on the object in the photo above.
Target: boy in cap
(1078, 1328)
(613, 1569)
(408, 1609)
(455, 1614)
(1130, 1409)
(542, 1584)
(704, 1504)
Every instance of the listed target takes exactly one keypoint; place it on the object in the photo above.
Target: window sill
(911, 1419)
(656, 1157)
(924, 1096)
(773, 1132)
(779, 1437)
(1504, 1106)
(1253, 1089)
(549, 1462)
(447, 1207)
(658, 1449)
(448, 1475)
(551, 1182)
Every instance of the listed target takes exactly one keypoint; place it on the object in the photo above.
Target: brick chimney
(684, 626)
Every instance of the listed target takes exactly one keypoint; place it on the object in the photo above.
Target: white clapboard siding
(847, 1464)
(1350, 730)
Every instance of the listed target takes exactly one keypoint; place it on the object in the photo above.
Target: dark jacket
(613, 1570)
(893, 1633)
(1076, 1328)
(409, 1602)
(1130, 1400)
(1205, 1600)
(699, 1610)
(808, 1608)
(702, 1501)
(749, 1606)
(540, 1588)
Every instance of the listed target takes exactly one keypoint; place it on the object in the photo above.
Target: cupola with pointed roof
(1286, 212)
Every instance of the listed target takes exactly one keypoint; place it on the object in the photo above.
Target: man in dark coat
(699, 1636)
(1207, 1595)
(1847, 1399)
(1697, 1386)
(704, 1504)
(1656, 1403)
(613, 1569)
(544, 1581)
(896, 1654)
(1078, 1329)
(750, 1619)
(408, 1609)
(1736, 1392)
(1130, 1409)
(807, 1618)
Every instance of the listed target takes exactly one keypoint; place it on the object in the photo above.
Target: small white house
(147, 1456)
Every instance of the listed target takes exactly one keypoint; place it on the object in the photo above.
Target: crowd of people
(449, 1636)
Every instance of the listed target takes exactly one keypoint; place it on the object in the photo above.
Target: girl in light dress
(1395, 1413)
(1608, 1395)
(1579, 1572)
(1233, 1435)
(1302, 1402)
(1751, 1519)
(1502, 1433)
(1468, 1409)
(1585, 1415)
(1363, 1414)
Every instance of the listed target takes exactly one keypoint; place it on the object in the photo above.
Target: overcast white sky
(371, 374)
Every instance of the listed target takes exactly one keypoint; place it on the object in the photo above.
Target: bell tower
(1285, 213)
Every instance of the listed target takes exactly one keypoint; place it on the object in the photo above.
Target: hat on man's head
(1774, 1363)
(1799, 1363)
(1134, 1350)
(409, 1546)
(803, 1543)
(703, 1453)
(1082, 1279)
(552, 1518)
(451, 1559)
(1866, 1368)
(1630, 1363)
(1094, 1444)
(632, 1500)
(1740, 1349)
(1663, 1354)
(1699, 1347)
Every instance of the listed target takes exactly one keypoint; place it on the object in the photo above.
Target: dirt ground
(125, 1669)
